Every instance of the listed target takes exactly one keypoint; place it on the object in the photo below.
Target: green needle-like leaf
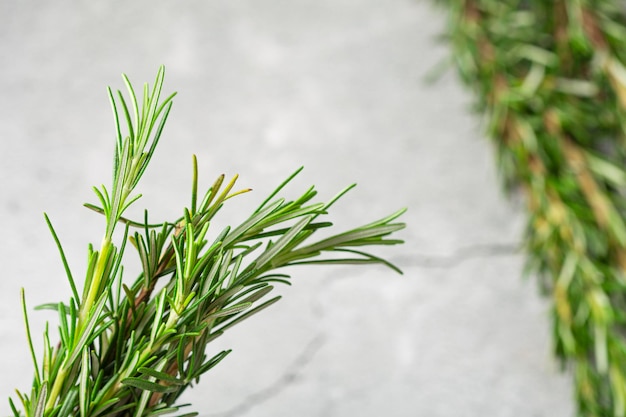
(146, 385)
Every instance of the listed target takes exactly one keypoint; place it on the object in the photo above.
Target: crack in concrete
(421, 260)
(459, 256)
(283, 382)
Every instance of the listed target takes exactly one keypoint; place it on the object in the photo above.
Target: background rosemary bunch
(132, 348)
(550, 77)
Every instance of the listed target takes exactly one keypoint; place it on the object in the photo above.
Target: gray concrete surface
(264, 87)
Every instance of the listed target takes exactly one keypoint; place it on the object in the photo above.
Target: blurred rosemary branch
(132, 350)
(550, 78)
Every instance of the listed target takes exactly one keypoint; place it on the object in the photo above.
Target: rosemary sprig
(132, 350)
(551, 78)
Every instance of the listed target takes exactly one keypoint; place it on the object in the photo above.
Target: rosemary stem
(56, 387)
(96, 281)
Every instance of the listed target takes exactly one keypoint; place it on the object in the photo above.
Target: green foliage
(132, 350)
(550, 76)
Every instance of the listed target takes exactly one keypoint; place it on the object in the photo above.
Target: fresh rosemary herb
(550, 76)
(131, 350)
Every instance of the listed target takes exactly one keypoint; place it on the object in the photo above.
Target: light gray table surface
(265, 86)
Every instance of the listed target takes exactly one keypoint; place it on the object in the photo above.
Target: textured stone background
(264, 87)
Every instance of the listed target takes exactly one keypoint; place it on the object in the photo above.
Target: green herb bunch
(550, 77)
(131, 350)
